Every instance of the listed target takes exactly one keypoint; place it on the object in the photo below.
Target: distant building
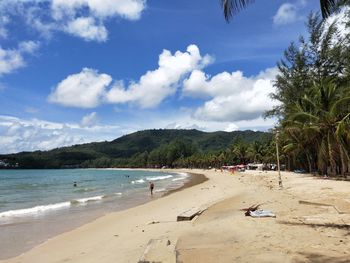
(3, 163)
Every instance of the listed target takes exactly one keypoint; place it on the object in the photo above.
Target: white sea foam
(140, 181)
(118, 193)
(182, 176)
(160, 190)
(156, 178)
(178, 179)
(35, 210)
(88, 199)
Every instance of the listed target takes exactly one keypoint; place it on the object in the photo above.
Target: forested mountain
(149, 148)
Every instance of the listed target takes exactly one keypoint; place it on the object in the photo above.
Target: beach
(312, 224)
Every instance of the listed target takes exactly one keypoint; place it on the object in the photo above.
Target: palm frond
(327, 7)
(341, 105)
(231, 7)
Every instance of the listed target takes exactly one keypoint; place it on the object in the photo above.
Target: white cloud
(156, 85)
(28, 135)
(89, 120)
(128, 9)
(28, 47)
(48, 16)
(200, 85)
(231, 127)
(286, 14)
(18, 134)
(4, 20)
(84, 90)
(233, 97)
(88, 88)
(86, 28)
(12, 59)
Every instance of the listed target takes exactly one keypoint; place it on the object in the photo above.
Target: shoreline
(190, 180)
(194, 179)
(300, 232)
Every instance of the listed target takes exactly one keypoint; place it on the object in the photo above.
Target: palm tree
(326, 113)
(231, 7)
(256, 151)
(297, 138)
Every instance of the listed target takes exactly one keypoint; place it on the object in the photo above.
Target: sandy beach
(312, 224)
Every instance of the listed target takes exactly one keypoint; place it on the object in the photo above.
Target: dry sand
(315, 230)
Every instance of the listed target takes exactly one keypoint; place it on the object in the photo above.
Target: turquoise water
(25, 192)
(38, 204)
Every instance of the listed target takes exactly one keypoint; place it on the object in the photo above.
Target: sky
(77, 71)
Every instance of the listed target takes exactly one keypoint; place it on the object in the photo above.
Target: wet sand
(193, 180)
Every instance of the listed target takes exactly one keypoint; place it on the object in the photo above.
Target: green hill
(139, 149)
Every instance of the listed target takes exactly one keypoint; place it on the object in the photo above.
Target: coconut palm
(256, 151)
(324, 114)
(231, 7)
(297, 138)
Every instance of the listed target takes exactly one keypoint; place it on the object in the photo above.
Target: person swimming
(75, 184)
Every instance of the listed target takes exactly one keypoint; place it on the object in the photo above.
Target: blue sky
(75, 71)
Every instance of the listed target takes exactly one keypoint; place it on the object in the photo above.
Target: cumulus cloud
(80, 18)
(83, 90)
(88, 88)
(23, 135)
(286, 14)
(156, 85)
(12, 59)
(86, 28)
(128, 9)
(232, 96)
(201, 85)
(18, 134)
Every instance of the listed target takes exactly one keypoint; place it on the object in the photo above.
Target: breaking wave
(156, 178)
(35, 210)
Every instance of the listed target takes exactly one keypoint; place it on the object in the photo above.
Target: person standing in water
(151, 187)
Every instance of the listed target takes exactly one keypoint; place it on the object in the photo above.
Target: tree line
(313, 88)
(185, 154)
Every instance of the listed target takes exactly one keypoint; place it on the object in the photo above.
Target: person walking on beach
(151, 187)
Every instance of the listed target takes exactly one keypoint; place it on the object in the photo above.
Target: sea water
(38, 204)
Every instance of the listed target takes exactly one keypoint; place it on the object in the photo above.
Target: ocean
(36, 205)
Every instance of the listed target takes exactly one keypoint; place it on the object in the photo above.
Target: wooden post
(278, 162)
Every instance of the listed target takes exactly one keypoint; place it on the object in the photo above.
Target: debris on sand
(249, 209)
(255, 211)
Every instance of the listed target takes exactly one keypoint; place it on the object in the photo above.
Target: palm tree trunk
(309, 163)
(343, 163)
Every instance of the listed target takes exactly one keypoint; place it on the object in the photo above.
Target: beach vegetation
(154, 148)
(313, 90)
